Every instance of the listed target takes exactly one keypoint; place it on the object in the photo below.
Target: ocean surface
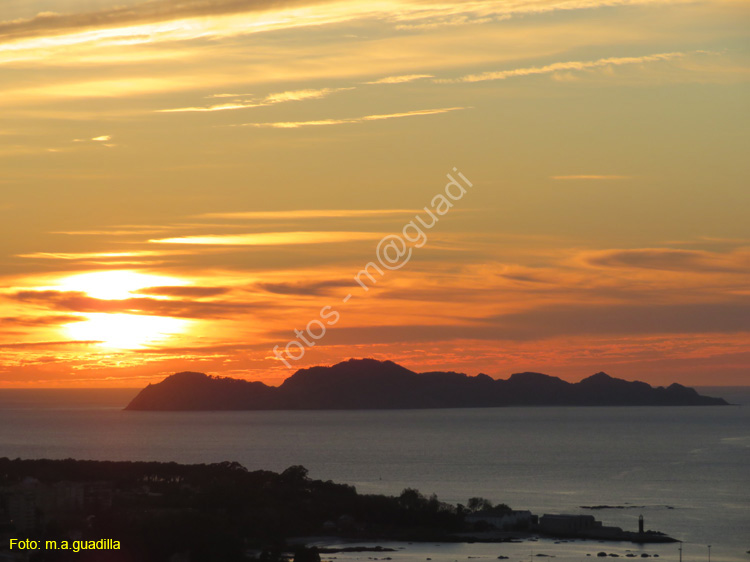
(685, 469)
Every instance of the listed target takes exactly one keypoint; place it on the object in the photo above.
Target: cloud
(589, 177)
(124, 231)
(270, 99)
(366, 118)
(101, 88)
(197, 292)
(203, 14)
(102, 140)
(81, 302)
(222, 350)
(230, 95)
(400, 79)
(437, 22)
(668, 259)
(50, 23)
(310, 214)
(271, 238)
(558, 66)
(560, 321)
(297, 95)
(622, 319)
(47, 344)
(210, 108)
(49, 320)
(317, 288)
(91, 255)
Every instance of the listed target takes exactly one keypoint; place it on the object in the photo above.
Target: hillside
(371, 384)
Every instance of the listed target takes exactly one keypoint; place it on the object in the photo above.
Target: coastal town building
(502, 521)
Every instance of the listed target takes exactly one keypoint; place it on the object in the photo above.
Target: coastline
(433, 454)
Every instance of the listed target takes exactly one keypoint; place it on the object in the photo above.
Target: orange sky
(185, 184)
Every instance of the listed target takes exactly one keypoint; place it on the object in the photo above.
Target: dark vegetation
(218, 512)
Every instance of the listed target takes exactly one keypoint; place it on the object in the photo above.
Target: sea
(685, 469)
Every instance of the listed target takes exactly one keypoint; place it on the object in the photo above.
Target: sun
(119, 330)
(126, 331)
(115, 285)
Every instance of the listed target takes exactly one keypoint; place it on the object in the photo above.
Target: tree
(411, 499)
(296, 473)
(304, 554)
(479, 504)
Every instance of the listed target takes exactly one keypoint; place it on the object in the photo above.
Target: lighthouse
(640, 524)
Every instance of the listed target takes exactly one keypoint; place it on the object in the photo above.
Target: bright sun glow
(121, 331)
(125, 331)
(115, 285)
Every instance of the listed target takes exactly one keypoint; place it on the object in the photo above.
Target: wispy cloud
(47, 320)
(74, 301)
(210, 108)
(314, 288)
(90, 255)
(47, 344)
(589, 177)
(51, 24)
(270, 238)
(559, 66)
(101, 88)
(113, 232)
(400, 79)
(203, 16)
(270, 99)
(366, 118)
(102, 140)
(230, 95)
(297, 95)
(181, 291)
(670, 259)
(310, 214)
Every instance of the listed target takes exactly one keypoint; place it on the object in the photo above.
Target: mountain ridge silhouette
(372, 384)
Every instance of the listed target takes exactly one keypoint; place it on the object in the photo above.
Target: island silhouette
(368, 384)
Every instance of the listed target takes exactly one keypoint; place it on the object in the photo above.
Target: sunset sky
(186, 183)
